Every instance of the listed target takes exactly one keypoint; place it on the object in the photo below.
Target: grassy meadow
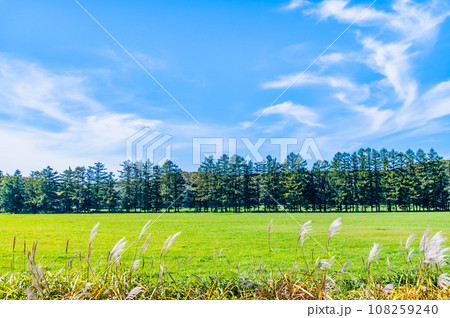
(240, 239)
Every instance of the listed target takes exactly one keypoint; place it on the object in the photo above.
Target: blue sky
(69, 95)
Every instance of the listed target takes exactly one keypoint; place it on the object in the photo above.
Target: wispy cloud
(53, 116)
(340, 10)
(375, 116)
(393, 61)
(308, 79)
(332, 58)
(345, 86)
(294, 4)
(299, 113)
(27, 87)
(390, 42)
(410, 19)
(433, 104)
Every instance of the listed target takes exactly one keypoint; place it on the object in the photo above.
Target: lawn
(241, 238)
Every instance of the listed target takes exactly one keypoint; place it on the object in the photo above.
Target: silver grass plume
(164, 245)
(325, 263)
(317, 262)
(335, 227)
(169, 241)
(424, 240)
(31, 295)
(270, 229)
(145, 245)
(444, 281)
(409, 241)
(434, 251)
(388, 289)
(134, 292)
(117, 251)
(172, 240)
(345, 266)
(144, 229)
(91, 238)
(134, 265)
(410, 254)
(373, 255)
(305, 229)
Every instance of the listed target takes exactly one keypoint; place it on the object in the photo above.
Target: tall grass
(311, 277)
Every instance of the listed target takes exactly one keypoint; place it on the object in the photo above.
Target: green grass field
(241, 237)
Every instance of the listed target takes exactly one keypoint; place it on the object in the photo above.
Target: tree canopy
(363, 181)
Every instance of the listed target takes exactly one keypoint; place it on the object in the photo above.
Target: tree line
(366, 180)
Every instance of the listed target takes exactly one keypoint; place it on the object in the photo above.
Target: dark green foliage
(67, 194)
(363, 181)
(12, 193)
(47, 194)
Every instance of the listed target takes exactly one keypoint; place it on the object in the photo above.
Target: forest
(364, 181)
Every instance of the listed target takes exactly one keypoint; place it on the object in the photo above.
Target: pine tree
(67, 191)
(32, 189)
(270, 184)
(156, 189)
(48, 192)
(111, 196)
(293, 182)
(249, 187)
(80, 188)
(376, 197)
(338, 174)
(223, 184)
(137, 185)
(173, 186)
(99, 186)
(207, 178)
(146, 186)
(322, 186)
(362, 179)
(126, 185)
(12, 193)
(388, 178)
(411, 180)
(236, 182)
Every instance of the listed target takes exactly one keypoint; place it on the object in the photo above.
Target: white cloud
(410, 19)
(347, 89)
(437, 101)
(375, 117)
(294, 4)
(150, 62)
(390, 102)
(433, 104)
(289, 110)
(410, 22)
(418, 20)
(332, 58)
(308, 79)
(390, 41)
(339, 9)
(27, 87)
(393, 61)
(52, 119)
